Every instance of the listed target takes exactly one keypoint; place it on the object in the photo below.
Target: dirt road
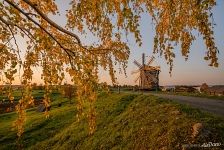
(209, 105)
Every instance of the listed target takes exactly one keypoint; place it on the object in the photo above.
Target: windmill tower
(148, 75)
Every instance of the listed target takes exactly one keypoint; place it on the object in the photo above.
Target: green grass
(124, 121)
(38, 128)
(38, 94)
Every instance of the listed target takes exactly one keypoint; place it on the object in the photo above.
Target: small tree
(69, 92)
(204, 87)
(34, 85)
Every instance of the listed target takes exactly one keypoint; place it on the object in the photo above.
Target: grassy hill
(124, 121)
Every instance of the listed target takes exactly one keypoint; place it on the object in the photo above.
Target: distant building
(184, 88)
(168, 88)
(197, 88)
(181, 88)
(216, 90)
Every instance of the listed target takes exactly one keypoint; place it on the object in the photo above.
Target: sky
(195, 71)
(191, 72)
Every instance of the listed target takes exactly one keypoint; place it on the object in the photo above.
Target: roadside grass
(124, 121)
(211, 122)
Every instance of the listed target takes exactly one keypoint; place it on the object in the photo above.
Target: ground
(124, 121)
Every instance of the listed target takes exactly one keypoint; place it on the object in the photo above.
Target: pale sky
(191, 72)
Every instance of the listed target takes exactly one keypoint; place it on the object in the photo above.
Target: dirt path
(209, 105)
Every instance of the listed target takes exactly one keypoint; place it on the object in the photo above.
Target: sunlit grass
(124, 121)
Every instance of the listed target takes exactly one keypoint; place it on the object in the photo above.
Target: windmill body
(148, 77)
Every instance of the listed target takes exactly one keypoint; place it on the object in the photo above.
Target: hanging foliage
(58, 51)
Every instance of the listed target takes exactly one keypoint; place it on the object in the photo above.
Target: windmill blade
(137, 79)
(134, 72)
(143, 59)
(137, 64)
(150, 60)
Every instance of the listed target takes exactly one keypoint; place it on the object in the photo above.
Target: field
(124, 121)
(194, 94)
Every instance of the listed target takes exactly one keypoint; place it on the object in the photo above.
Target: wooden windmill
(148, 75)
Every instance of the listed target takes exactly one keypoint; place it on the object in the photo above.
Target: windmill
(148, 75)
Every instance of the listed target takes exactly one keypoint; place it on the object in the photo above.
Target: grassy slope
(124, 121)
